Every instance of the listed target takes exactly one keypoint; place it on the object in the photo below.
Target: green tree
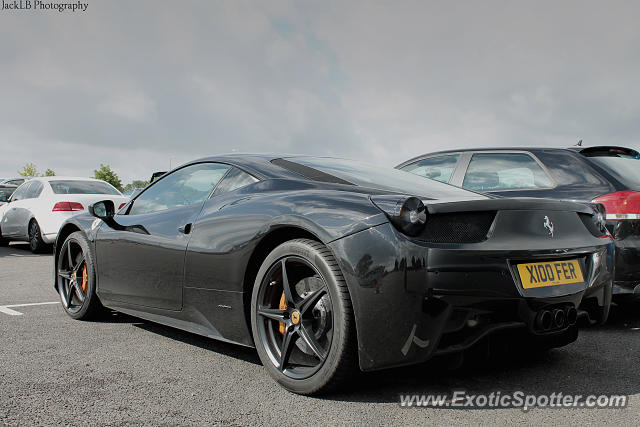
(29, 171)
(49, 172)
(106, 174)
(135, 184)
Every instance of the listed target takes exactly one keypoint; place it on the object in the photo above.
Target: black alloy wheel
(76, 278)
(297, 338)
(302, 318)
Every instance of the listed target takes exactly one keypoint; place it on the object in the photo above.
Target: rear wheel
(76, 278)
(36, 244)
(302, 318)
(3, 241)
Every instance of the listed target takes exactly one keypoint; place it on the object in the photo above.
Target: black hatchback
(605, 174)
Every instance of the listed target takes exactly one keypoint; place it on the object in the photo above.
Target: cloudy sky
(140, 85)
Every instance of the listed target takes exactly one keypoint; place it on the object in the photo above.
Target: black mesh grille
(457, 227)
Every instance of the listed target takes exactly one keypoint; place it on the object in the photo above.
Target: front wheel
(302, 318)
(76, 278)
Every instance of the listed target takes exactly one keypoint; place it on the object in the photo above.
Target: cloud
(132, 106)
(139, 85)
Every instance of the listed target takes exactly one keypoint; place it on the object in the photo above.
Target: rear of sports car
(439, 278)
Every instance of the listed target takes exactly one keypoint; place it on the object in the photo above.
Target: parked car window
(570, 170)
(184, 187)
(504, 171)
(21, 192)
(82, 187)
(234, 180)
(439, 168)
(34, 190)
(625, 170)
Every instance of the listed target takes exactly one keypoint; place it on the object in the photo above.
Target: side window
(505, 171)
(234, 180)
(15, 182)
(34, 190)
(21, 192)
(439, 168)
(184, 187)
(566, 169)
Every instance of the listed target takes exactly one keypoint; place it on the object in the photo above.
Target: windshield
(384, 178)
(625, 170)
(82, 187)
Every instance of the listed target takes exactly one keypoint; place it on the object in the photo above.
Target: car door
(15, 213)
(142, 262)
(208, 259)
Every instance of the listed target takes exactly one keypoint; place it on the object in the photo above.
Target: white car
(37, 208)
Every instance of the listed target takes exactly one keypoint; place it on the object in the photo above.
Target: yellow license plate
(540, 274)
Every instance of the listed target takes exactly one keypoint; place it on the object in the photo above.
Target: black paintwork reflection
(397, 284)
(145, 269)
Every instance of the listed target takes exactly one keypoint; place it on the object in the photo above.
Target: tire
(79, 300)
(36, 244)
(3, 241)
(314, 314)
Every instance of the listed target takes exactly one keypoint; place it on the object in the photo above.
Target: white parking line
(7, 309)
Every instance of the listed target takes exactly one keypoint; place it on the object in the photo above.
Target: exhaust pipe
(571, 315)
(558, 318)
(544, 320)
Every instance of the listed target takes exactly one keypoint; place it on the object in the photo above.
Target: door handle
(185, 229)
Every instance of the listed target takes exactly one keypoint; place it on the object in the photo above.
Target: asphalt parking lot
(121, 370)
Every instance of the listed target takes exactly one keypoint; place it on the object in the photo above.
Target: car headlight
(407, 213)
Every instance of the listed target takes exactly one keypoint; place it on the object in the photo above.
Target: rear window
(82, 187)
(625, 170)
(383, 178)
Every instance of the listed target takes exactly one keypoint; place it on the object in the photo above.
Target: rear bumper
(414, 300)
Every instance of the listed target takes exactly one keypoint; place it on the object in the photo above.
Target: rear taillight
(67, 207)
(621, 205)
(122, 205)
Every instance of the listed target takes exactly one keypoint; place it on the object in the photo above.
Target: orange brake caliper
(84, 278)
(282, 306)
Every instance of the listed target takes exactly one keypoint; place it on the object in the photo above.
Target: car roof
(65, 178)
(259, 164)
(574, 149)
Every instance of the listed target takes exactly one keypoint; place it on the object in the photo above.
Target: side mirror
(105, 210)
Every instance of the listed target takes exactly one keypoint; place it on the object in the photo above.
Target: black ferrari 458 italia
(328, 265)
